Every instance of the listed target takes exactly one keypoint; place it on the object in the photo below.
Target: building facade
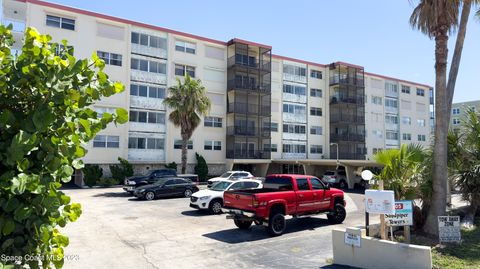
(270, 113)
(459, 111)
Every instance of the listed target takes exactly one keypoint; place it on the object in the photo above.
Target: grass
(456, 256)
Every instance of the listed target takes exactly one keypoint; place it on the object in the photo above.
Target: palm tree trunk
(440, 172)
(457, 53)
(184, 153)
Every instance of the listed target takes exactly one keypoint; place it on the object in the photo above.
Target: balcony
(251, 109)
(294, 136)
(146, 103)
(392, 126)
(346, 100)
(248, 131)
(147, 127)
(149, 51)
(298, 156)
(336, 79)
(295, 117)
(146, 155)
(294, 78)
(139, 75)
(347, 119)
(294, 98)
(250, 64)
(347, 137)
(248, 154)
(389, 109)
(234, 84)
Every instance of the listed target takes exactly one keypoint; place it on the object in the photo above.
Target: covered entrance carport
(320, 166)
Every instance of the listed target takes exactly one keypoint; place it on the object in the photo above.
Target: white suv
(212, 199)
(340, 178)
(229, 175)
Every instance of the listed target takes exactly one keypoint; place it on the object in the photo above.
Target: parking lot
(119, 231)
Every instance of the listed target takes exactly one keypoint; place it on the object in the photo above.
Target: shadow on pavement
(337, 266)
(257, 232)
(196, 213)
(113, 194)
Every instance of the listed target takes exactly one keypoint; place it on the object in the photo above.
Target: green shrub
(107, 182)
(121, 171)
(91, 174)
(45, 121)
(201, 168)
(172, 165)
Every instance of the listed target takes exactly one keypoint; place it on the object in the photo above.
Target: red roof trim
(249, 43)
(107, 17)
(399, 80)
(297, 60)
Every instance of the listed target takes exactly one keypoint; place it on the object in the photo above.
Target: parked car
(284, 194)
(229, 175)
(166, 187)
(136, 181)
(212, 199)
(339, 178)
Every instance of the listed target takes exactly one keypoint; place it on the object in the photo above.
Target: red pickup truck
(281, 195)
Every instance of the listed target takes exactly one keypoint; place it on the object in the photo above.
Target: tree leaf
(122, 115)
(8, 227)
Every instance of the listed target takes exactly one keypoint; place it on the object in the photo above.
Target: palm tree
(438, 19)
(189, 102)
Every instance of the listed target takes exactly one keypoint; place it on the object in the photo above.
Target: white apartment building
(459, 111)
(270, 113)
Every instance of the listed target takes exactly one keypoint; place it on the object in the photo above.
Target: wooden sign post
(382, 216)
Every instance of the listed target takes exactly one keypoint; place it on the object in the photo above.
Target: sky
(374, 33)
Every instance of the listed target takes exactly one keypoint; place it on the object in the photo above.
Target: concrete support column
(260, 169)
(309, 169)
(350, 171)
(229, 164)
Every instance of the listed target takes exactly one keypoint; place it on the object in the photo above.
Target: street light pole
(336, 144)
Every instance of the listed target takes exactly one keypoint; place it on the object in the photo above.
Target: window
(316, 183)
(243, 59)
(294, 129)
(316, 111)
(146, 143)
(406, 136)
(177, 144)
(148, 66)
(149, 40)
(60, 49)
(377, 100)
(420, 92)
(316, 149)
(406, 120)
(456, 121)
(212, 145)
(60, 22)
(391, 119)
(405, 89)
(273, 127)
(302, 184)
(421, 123)
(456, 111)
(316, 74)
(144, 117)
(212, 122)
(270, 147)
(279, 183)
(298, 90)
(185, 47)
(316, 130)
(295, 70)
(294, 148)
(294, 109)
(391, 89)
(316, 93)
(101, 110)
(391, 103)
(391, 135)
(106, 141)
(110, 58)
(181, 70)
(421, 138)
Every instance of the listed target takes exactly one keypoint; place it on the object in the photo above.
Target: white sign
(352, 240)
(449, 228)
(379, 202)
(403, 214)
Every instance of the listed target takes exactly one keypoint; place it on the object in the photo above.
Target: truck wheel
(276, 224)
(338, 215)
(215, 207)
(243, 224)
(343, 184)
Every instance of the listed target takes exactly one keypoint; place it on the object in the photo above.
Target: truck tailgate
(238, 200)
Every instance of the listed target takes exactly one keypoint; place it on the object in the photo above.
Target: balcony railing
(348, 100)
(335, 79)
(238, 84)
(243, 108)
(254, 64)
(347, 119)
(347, 137)
(248, 131)
(248, 154)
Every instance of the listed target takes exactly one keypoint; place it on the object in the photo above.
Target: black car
(166, 187)
(136, 181)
